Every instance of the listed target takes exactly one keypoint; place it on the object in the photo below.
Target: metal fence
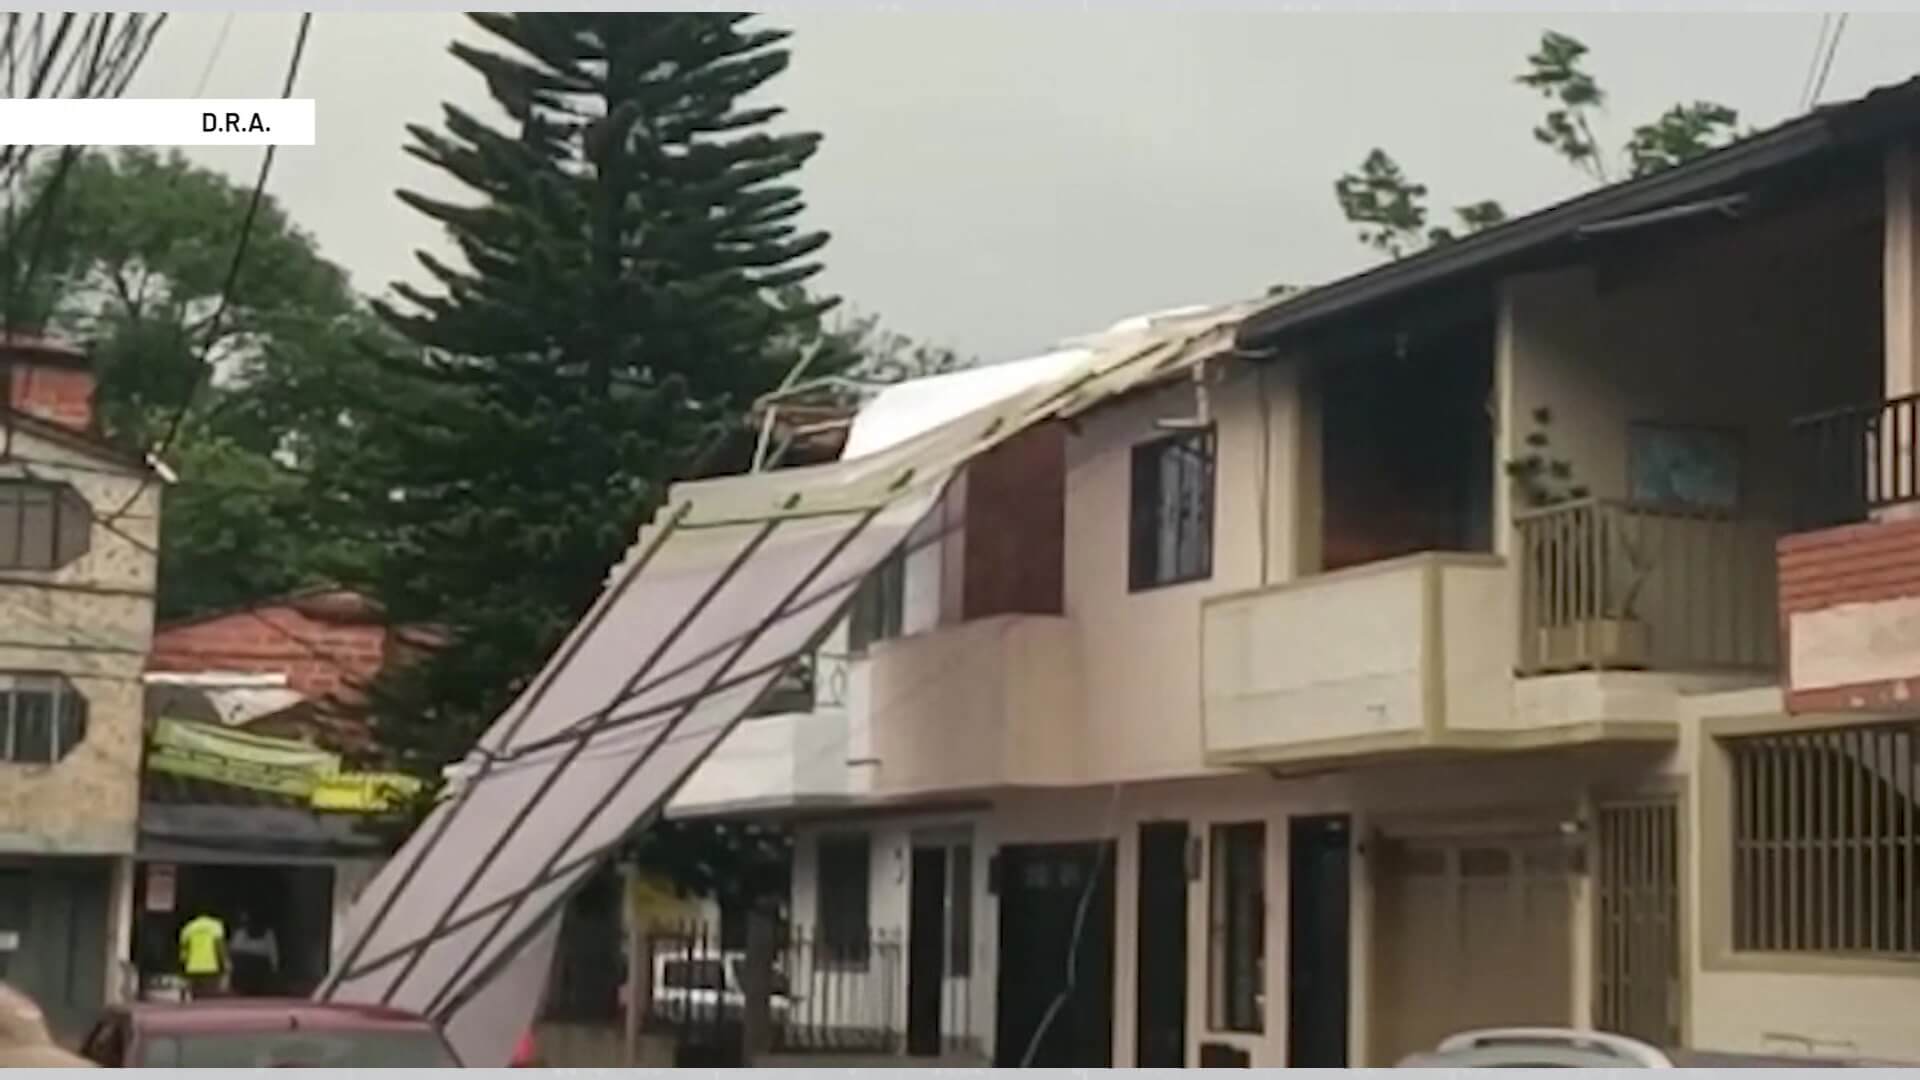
(1826, 841)
(1637, 926)
(825, 994)
(1849, 462)
(1608, 583)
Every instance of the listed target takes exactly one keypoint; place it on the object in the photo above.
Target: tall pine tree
(631, 262)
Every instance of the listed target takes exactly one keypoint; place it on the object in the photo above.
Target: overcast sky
(994, 181)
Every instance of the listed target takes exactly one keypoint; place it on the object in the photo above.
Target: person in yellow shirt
(203, 955)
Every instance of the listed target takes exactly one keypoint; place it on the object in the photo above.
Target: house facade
(79, 530)
(244, 708)
(1518, 633)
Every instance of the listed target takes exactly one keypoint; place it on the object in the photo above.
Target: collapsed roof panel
(739, 578)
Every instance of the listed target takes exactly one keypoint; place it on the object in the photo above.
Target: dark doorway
(1160, 994)
(1319, 864)
(926, 949)
(292, 903)
(1428, 486)
(53, 946)
(1043, 888)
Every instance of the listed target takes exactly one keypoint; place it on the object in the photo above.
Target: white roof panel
(737, 579)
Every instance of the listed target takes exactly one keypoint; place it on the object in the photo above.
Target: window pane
(960, 910)
(10, 526)
(1237, 913)
(70, 722)
(1172, 510)
(42, 718)
(878, 604)
(33, 726)
(845, 883)
(1825, 833)
(75, 527)
(36, 528)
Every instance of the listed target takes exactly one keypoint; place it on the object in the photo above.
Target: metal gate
(1637, 916)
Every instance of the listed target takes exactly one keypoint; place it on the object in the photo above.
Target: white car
(709, 987)
(1568, 1048)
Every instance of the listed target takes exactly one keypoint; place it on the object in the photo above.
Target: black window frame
(843, 888)
(1153, 513)
(67, 718)
(1237, 927)
(62, 536)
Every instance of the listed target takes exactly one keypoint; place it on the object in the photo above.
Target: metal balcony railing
(1852, 461)
(1612, 584)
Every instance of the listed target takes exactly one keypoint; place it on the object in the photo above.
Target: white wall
(968, 1008)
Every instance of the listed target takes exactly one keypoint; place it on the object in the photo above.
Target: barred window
(42, 526)
(1172, 527)
(1825, 841)
(42, 718)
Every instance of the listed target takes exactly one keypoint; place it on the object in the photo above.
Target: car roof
(268, 1014)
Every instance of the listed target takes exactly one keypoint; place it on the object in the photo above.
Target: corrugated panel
(740, 577)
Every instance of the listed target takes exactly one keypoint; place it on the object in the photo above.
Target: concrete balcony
(782, 761)
(1410, 655)
(973, 706)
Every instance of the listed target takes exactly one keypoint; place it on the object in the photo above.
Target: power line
(213, 55)
(233, 274)
(1826, 66)
(1813, 61)
(1820, 64)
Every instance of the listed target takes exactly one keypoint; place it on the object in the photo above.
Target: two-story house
(79, 528)
(1514, 633)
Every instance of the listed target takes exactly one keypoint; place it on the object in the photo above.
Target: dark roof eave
(1484, 251)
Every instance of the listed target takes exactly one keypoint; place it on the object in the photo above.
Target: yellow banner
(255, 762)
(363, 793)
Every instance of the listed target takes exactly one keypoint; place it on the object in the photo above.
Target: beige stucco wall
(975, 705)
(1543, 788)
(1751, 1001)
(1140, 652)
(89, 802)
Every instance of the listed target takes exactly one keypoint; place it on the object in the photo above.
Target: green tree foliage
(1390, 207)
(1682, 133)
(632, 262)
(1386, 205)
(128, 258)
(632, 283)
(1554, 70)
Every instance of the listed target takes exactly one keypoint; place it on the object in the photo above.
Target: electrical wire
(213, 55)
(233, 275)
(1813, 62)
(1821, 64)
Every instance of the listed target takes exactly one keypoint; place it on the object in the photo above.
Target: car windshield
(297, 1049)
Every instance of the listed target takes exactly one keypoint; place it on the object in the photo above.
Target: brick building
(79, 529)
(287, 667)
(326, 643)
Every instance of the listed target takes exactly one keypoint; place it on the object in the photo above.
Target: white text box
(156, 122)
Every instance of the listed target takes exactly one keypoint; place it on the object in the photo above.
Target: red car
(251, 1033)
